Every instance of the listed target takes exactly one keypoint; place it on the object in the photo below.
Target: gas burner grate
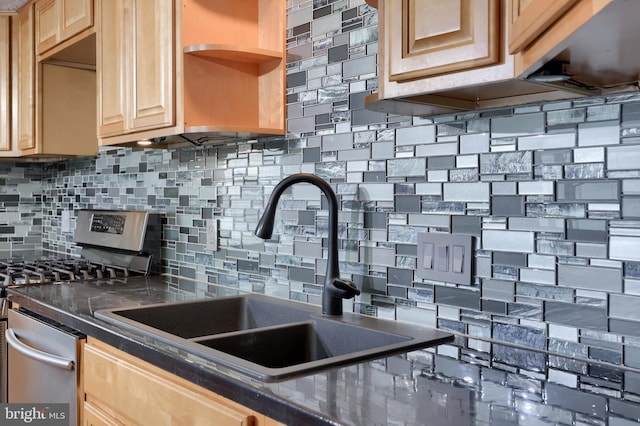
(15, 272)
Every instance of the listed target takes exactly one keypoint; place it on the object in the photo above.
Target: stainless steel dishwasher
(42, 361)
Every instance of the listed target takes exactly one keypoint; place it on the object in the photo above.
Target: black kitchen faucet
(335, 288)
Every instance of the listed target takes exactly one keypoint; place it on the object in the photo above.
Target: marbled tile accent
(550, 193)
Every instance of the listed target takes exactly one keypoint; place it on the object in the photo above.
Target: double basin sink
(271, 339)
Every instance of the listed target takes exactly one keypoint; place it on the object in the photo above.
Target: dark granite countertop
(443, 386)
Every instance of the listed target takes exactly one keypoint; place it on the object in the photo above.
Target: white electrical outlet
(212, 235)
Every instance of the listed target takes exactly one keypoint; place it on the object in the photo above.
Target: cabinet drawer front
(430, 37)
(141, 394)
(92, 416)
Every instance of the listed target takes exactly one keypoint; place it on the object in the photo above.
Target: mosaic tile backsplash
(551, 193)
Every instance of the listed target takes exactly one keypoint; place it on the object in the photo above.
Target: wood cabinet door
(5, 85)
(26, 79)
(47, 24)
(75, 16)
(58, 20)
(112, 56)
(153, 65)
(430, 37)
(135, 392)
(529, 19)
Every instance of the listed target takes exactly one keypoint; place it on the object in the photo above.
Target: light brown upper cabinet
(136, 63)
(8, 79)
(431, 37)
(204, 70)
(597, 40)
(56, 90)
(59, 20)
(438, 56)
(25, 115)
(5, 85)
(529, 19)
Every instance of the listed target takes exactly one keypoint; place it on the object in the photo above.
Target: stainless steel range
(115, 244)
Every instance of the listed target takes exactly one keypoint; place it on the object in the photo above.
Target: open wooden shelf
(234, 66)
(230, 52)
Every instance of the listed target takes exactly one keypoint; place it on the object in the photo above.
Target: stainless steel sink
(271, 339)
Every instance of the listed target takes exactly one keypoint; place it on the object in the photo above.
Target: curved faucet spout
(335, 289)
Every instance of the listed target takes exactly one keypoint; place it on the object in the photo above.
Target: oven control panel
(119, 229)
(108, 223)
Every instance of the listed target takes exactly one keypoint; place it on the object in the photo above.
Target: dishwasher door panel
(42, 363)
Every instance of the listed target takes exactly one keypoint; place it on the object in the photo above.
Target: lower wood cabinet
(121, 389)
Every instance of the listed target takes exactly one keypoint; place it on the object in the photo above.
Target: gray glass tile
(297, 79)
(592, 405)
(363, 117)
(587, 230)
(416, 135)
(547, 292)
(504, 272)
(560, 156)
(338, 53)
(337, 142)
(247, 266)
(584, 171)
(470, 225)
(507, 205)
(523, 124)
(588, 190)
(467, 192)
(624, 248)
(406, 167)
(400, 276)
(623, 157)
(599, 133)
(333, 94)
(517, 241)
(360, 66)
(434, 207)
(630, 207)
(603, 112)
(624, 327)
(506, 162)
(328, 170)
(494, 307)
(565, 116)
(631, 115)
(590, 277)
(548, 141)
(513, 259)
(532, 361)
(575, 315)
(305, 275)
(624, 307)
(556, 210)
(438, 163)
(407, 204)
(457, 297)
(474, 143)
